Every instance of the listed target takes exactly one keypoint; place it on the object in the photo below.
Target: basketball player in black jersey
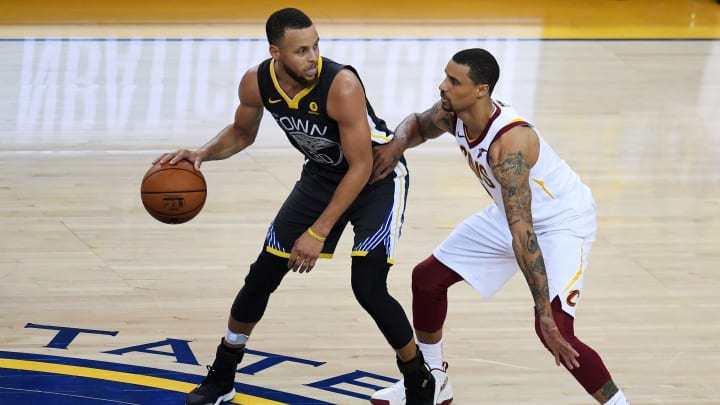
(322, 108)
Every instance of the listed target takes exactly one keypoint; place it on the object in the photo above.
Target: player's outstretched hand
(385, 158)
(560, 348)
(181, 154)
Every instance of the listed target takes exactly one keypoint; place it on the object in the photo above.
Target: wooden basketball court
(102, 304)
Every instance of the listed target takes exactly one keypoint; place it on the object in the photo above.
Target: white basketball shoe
(395, 394)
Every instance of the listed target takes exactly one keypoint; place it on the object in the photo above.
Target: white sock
(617, 399)
(432, 354)
(235, 338)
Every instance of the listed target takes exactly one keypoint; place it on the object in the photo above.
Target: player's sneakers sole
(212, 391)
(395, 394)
(204, 399)
(392, 395)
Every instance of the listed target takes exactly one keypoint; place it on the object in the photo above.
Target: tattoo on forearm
(537, 280)
(512, 172)
(532, 243)
(534, 291)
(608, 390)
(421, 119)
(538, 266)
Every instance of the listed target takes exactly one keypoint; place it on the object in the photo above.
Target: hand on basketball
(560, 348)
(304, 253)
(182, 154)
(385, 158)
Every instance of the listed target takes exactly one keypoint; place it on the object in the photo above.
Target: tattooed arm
(511, 158)
(415, 129)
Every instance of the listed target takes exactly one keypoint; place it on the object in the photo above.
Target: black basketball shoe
(219, 385)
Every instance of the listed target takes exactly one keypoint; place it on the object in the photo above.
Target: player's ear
(274, 51)
(483, 90)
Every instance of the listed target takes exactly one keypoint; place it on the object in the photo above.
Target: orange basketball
(173, 194)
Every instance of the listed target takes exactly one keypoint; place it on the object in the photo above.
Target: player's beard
(446, 104)
(301, 79)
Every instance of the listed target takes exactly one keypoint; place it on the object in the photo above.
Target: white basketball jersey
(558, 194)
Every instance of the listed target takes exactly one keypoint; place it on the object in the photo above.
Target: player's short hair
(484, 68)
(282, 20)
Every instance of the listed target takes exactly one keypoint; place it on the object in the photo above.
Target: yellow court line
(118, 376)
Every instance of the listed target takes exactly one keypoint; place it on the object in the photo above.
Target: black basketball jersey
(304, 118)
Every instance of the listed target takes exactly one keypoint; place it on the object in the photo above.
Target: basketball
(173, 194)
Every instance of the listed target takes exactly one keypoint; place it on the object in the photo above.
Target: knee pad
(263, 279)
(430, 282)
(266, 273)
(369, 279)
(369, 284)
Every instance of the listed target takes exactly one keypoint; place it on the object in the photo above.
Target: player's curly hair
(484, 68)
(282, 20)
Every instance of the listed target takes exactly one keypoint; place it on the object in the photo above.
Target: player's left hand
(385, 158)
(560, 348)
(304, 253)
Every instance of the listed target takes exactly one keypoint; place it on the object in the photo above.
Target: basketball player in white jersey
(542, 221)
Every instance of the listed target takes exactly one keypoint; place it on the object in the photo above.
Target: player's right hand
(561, 349)
(181, 154)
(304, 253)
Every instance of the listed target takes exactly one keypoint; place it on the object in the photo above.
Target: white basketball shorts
(480, 250)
